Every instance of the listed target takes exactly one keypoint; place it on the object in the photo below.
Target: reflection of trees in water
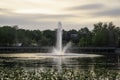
(108, 62)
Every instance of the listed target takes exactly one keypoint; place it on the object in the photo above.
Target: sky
(45, 14)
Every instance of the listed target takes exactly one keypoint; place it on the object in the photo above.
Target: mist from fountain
(59, 50)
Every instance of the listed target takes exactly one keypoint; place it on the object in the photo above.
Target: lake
(31, 62)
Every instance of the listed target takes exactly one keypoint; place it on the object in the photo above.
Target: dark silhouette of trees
(85, 37)
(102, 35)
(105, 34)
(7, 35)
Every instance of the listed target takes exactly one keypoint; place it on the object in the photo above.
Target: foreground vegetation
(102, 35)
(53, 74)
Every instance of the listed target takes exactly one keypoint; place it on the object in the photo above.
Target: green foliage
(50, 37)
(53, 74)
(7, 35)
(85, 37)
(103, 34)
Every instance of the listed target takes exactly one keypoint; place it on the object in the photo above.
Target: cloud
(111, 12)
(26, 22)
(33, 21)
(3, 10)
(48, 13)
(56, 16)
(87, 7)
(33, 17)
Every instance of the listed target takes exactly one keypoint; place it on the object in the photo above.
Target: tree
(7, 36)
(44, 41)
(85, 37)
(100, 34)
(103, 34)
(106, 34)
(113, 34)
(50, 35)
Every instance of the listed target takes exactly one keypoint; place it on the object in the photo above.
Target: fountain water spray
(59, 39)
(59, 50)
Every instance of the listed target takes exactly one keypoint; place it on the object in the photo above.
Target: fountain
(58, 50)
(59, 38)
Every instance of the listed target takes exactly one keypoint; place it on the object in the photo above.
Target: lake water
(45, 66)
(41, 60)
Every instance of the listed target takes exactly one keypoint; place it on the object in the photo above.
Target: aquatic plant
(53, 74)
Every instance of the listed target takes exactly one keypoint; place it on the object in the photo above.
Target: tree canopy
(102, 35)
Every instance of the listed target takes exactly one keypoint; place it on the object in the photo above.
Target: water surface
(43, 60)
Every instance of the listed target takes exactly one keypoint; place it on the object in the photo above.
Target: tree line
(102, 35)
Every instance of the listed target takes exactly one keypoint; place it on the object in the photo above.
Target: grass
(53, 74)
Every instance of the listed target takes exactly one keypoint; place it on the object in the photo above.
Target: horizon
(43, 15)
(57, 27)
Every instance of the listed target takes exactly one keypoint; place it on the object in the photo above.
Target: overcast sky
(45, 14)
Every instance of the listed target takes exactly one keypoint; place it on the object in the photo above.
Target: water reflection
(54, 67)
(61, 62)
